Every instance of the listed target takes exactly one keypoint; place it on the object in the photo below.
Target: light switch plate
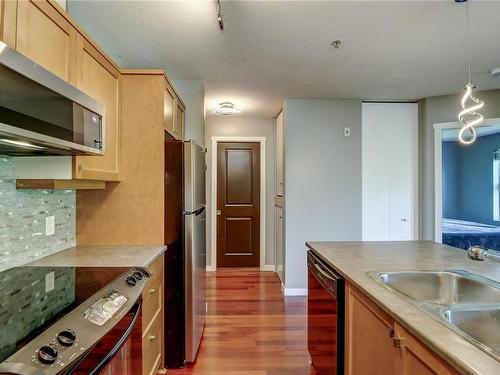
(347, 132)
(49, 282)
(50, 226)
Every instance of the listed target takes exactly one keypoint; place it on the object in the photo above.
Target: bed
(463, 234)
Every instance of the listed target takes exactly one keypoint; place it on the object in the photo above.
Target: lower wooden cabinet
(152, 320)
(378, 345)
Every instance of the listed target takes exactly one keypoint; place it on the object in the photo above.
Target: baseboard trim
(267, 267)
(210, 268)
(293, 292)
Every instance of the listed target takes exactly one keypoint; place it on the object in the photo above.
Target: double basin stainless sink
(465, 302)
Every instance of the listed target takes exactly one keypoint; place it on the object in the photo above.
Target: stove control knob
(130, 281)
(66, 337)
(47, 354)
(137, 275)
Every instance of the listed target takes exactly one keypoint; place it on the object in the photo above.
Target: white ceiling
(272, 50)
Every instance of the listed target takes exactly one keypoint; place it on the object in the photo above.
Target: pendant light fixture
(468, 116)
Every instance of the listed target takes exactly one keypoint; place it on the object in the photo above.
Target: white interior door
(389, 162)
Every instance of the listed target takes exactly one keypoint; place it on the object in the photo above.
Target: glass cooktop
(33, 298)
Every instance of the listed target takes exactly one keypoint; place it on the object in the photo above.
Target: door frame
(263, 197)
(438, 171)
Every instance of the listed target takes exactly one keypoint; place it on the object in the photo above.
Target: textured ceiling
(272, 50)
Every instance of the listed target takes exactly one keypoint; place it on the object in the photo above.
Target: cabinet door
(279, 246)
(416, 359)
(369, 333)
(179, 121)
(8, 21)
(100, 80)
(168, 111)
(279, 154)
(47, 38)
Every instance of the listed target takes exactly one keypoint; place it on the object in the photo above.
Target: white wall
(192, 93)
(245, 127)
(323, 179)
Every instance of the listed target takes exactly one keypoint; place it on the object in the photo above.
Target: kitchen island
(440, 349)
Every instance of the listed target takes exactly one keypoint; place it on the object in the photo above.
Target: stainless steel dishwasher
(325, 317)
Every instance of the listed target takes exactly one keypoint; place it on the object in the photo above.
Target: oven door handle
(120, 342)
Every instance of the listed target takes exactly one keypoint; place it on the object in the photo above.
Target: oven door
(325, 315)
(119, 352)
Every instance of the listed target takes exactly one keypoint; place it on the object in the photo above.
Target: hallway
(250, 329)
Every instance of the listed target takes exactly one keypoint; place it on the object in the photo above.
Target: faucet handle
(477, 252)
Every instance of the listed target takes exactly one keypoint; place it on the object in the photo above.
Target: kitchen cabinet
(152, 320)
(416, 358)
(168, 109)
(369, 340)
(179, 120)
(46, 37)
(279, 221)
(8, 21)
(174, 109)
(98, 78)
(377, 344)
(280, 133)
(42, 31)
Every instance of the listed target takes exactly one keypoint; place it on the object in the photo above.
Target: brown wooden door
(238, 203)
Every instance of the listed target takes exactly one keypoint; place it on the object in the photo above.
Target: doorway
(467, 186)
(238, 209)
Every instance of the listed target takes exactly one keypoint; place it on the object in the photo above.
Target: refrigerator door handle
(197, 212)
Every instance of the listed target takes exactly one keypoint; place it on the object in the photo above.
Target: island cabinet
(43, 31)
(377, 344)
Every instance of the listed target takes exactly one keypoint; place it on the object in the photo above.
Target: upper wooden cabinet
(8, 21)
(179, 120)
(98, 78)
(46, 37)
(173, 118)
(168, 110)
(280, 132)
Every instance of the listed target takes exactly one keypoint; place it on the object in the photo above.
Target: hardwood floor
(251, 329)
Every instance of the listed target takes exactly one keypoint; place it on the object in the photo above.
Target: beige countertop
(354, 260)
(103, 256)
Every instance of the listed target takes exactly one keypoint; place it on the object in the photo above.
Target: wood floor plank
(251, 329)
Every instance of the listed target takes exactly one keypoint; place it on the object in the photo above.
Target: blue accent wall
(468, 180)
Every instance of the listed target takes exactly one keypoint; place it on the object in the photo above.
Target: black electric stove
(66, 320)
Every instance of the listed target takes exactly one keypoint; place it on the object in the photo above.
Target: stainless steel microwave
(41, 114)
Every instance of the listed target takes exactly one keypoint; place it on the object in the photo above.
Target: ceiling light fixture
(227, 109)
(468, 116)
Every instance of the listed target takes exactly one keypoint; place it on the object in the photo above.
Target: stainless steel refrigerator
(185, 258)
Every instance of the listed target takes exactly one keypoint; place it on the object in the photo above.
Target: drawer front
(151, 347)
(156, 268)
(151, 302)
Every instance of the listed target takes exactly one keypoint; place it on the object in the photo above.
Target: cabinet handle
(391, 332)
(398, 343)
(151, 291)
(152, 338)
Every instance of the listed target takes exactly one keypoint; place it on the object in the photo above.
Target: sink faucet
(481, 253)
